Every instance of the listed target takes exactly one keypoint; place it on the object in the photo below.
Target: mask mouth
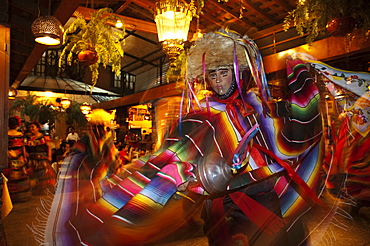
(228, 93)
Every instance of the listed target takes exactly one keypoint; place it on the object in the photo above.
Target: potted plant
(336, 17)
(95, 42)
(27, 105)
(36, 111)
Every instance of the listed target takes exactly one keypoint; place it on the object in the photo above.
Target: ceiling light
(85, 108)
(48, 93)
(12, 93)
(65, 103)
(173, 19)
(47, 30)
(119, 24)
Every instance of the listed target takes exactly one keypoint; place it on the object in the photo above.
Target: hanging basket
(88, 57)
(339, 27)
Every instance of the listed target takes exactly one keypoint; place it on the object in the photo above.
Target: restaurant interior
(133, 71)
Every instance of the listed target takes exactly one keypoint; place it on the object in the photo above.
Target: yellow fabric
(7, 202)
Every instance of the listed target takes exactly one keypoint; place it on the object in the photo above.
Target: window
(117, 82)
(128, 82)
(48, 65)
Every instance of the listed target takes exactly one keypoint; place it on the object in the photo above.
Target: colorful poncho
(95, 206)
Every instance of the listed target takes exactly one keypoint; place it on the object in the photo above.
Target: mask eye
(224, 73)
(212, 76)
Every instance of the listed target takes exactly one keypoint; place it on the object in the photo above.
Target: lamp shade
(172, 20)
(65, 103)
(85, 108)
(12, 93)
(47, 30)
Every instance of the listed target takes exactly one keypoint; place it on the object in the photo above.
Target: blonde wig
(226, 49)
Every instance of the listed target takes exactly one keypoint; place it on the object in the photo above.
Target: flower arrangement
(311, 17)
(95, 42)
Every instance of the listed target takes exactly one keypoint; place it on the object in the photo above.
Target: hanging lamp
(85, 108)
(12, 93)
(65, 102)
(172, 18)
(47, 29)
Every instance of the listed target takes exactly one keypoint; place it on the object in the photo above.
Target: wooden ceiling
(257, 18)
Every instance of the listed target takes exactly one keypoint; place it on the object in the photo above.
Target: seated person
(72, 136)
(63, 151)
(125, 154)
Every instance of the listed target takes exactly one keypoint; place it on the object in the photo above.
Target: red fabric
(257, 157)
(307, 191)
(220, 230)
(232, 103)
(266, 220)
(122, 153)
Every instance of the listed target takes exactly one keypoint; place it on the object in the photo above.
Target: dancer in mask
(253, 161)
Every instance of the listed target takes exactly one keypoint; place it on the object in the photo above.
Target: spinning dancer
(254, 162)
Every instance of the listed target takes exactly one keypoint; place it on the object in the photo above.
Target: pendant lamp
(172, 18)
(47, 29)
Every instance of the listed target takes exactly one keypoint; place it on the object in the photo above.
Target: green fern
(311, 17)
(73, 115)
(27, 106)
(96, 35)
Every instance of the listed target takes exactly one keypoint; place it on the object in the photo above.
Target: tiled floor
(341, 231)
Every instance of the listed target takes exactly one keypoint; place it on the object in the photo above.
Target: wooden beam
(142, 11)
(131, 23)
(267, 32)
(146, 4)
(284, 5)
(150, 94)
(122, 7)
(213, 20)
(236, 18)
(262, 12)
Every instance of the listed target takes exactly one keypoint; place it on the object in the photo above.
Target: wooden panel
(130, 23)
(323, 50)
(151, 94)
(4, 88)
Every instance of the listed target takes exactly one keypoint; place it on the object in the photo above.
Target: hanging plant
(311, 17)
(74, 116)
(47, 114)
(96, 42)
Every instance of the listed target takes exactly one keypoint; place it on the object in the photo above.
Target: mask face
(220, 80)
